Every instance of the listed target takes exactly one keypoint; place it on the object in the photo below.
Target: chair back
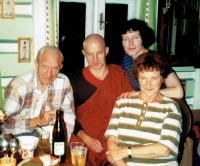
(186, 126)
(186, 119)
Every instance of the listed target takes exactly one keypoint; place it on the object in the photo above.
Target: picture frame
(7, 9)
(24, 50)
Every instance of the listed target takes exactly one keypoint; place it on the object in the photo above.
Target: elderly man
(95, 88)
(33, 98)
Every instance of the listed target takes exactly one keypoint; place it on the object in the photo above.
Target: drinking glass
(43, 143)
(3, 162)
(80, 154)
(73, 145)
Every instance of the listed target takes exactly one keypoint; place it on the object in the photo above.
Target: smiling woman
(139, 128)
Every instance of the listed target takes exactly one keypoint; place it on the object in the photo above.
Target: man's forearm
(82, 135)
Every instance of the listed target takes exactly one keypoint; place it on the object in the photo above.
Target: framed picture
(7, 9)
(24, 49)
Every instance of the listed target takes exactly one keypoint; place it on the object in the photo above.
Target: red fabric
(91, 78)
(94, 114)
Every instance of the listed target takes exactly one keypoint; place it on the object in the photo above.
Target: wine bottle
(64, 126)
(58, 138)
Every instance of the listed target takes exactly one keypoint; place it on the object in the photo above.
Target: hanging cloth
(148, 13)
(51, 22)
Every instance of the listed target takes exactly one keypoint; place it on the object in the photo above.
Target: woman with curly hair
(137, 37)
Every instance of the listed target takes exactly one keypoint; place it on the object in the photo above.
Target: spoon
(14, 146)
(39, 126)
(4, 146)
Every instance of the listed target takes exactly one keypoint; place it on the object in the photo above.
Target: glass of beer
(73, 145)
(80, 154)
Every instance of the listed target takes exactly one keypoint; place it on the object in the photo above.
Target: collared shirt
(21, 97)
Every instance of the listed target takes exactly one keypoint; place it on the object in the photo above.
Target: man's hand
(126, 95)
(3, 116)
(47, 116)
(93, 143)
(43, 119)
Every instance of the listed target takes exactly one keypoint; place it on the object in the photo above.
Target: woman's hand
(116, 155)
(126, 95)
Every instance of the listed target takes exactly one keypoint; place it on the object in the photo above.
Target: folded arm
(116, 154)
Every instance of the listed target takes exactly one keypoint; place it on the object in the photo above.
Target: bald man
(96, 88)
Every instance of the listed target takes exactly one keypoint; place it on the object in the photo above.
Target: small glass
(73, 145)
(80, 154)
(43, 143)
(3, 162)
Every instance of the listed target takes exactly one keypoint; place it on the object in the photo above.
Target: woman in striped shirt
(144, 130)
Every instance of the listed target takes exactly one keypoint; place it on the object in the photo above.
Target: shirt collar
(35, 82)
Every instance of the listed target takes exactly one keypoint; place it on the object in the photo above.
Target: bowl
(28, 140)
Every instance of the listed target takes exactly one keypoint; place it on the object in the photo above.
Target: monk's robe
(94, 114)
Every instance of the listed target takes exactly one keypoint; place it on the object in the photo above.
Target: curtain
(51, 25)
(148, 12)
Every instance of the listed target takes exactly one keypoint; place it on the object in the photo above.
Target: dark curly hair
(147, 34)
(148, 62)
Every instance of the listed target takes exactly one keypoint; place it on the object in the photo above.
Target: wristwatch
(129, 151)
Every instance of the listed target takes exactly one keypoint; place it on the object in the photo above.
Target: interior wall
(29, 21)
(12, 29)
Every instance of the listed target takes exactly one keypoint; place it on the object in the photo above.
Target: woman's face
(150, 83)
(132, 43)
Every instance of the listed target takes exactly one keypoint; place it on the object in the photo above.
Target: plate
(33, 162)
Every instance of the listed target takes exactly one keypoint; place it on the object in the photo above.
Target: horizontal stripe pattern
(161, 123)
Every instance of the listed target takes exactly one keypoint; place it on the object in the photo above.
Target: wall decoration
(24, 49)
(7, 9)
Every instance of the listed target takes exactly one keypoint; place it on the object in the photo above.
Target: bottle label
(59, 148)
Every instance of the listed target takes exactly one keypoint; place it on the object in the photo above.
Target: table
(36, 158)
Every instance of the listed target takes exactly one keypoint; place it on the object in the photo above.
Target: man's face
(95, 54)
(48, 67)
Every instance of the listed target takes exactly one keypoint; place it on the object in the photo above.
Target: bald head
(95, 51)
(94, 38)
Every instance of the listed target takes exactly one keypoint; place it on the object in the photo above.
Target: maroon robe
(94, 114)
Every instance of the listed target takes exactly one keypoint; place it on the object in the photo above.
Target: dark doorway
(71, 36)
(115, 15)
